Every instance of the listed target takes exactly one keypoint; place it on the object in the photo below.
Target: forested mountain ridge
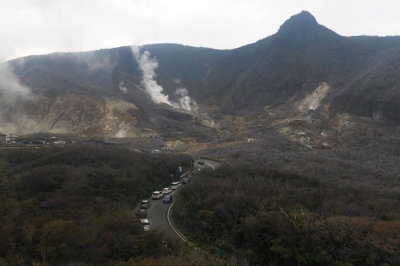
(305, 122)
(273, 75)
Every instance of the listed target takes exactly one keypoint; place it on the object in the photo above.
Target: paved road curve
(158, 211)
(157, 214)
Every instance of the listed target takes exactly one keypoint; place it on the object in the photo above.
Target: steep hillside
(375, 92)
(101, 92)
(198, 93)
(290, 64)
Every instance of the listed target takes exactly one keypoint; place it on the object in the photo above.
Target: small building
(149, 134)
(3, 138)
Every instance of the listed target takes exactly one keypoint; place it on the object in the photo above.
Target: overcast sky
(44, 26)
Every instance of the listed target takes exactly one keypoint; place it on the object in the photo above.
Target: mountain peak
(304, 16)
(304, 28)
(302, 21)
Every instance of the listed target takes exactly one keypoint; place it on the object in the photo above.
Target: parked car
(175, 185)
(157, 195)
(145, 223)
(167, 199)
(145, 204)
(167, 190)
(201, 163)
(141, 213)
(185, 180)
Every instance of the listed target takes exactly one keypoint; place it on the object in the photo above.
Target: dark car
(141, 213)
(201, 163)
(167, 199)
(145, 204)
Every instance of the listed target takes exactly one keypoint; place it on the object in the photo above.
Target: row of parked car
(164, 194)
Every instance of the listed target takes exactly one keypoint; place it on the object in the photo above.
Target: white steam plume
(184, 100)
(148, 65)
(10, 87)
(121, 86)
(12, 96)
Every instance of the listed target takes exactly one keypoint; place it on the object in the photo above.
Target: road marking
(185, 240)
(173, 227)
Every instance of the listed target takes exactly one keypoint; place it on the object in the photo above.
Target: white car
(157, 195)
(145, 223)
(167, 190)
(175, 185)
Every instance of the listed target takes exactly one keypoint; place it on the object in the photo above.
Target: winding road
(158, 216)
(159, 211)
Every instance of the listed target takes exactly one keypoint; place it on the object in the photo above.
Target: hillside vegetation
(273, 202)
(283, 67)
(270, 217)
(78, 208)
(306, 123)
(271, 75)
(277, 203)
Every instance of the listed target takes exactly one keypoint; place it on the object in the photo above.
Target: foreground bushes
(77, 207)
(277, 218)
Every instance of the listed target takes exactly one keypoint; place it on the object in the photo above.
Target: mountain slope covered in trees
(273, 73)
(305, 121)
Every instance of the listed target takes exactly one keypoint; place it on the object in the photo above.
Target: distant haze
(42, 27)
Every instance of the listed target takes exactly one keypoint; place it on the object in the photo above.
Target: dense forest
(318, 184)
(268, 217)
(77, 208)
(278, 203)
(273, 202)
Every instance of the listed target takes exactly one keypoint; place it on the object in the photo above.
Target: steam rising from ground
(12, 96)
(184, 100)
(148, 66)
(121, 86)
(10, 87)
